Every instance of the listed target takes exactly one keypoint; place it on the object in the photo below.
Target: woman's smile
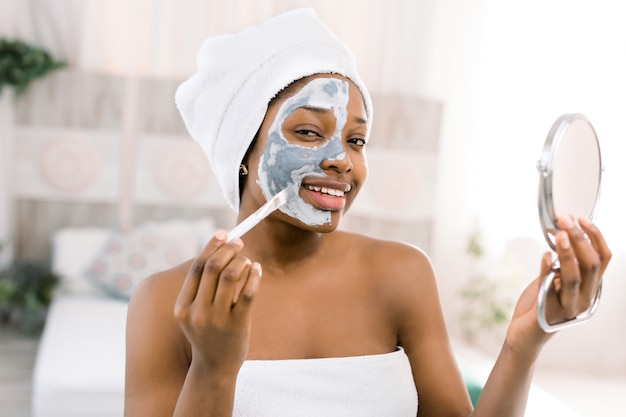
(323, 198)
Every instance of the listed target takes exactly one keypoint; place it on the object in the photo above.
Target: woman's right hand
(213, 307)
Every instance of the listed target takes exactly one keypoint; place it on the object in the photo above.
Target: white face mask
(284, 165)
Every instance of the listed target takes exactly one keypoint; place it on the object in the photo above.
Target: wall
(498, 72)
(75, 165)
(508, 70)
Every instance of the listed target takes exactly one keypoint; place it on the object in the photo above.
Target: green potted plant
(488, 305)
(21, 63)
(25, 293)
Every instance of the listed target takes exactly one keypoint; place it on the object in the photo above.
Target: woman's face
(315, 146)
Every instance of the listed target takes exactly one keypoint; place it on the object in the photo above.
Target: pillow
(73, 249)
(129, 257)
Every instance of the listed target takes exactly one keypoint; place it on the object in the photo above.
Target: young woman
(297, 318)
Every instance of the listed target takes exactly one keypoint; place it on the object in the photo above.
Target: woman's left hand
(583, 257)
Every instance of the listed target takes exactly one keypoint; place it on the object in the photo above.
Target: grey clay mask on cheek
(284, 165)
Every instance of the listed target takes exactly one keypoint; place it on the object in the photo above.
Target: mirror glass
(570, 175)
(577, 170)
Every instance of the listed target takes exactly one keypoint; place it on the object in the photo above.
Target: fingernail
(563, 240)
(221, 235)
(584, 222)
(566, 222)
(547, 259)
(258, 268)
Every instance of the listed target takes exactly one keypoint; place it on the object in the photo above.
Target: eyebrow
(322, 110)
(360, 120)
(313, 109)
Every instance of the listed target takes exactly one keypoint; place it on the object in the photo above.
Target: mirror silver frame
(548, 216)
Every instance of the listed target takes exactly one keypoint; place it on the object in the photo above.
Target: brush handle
(254, 219)
(243, 227)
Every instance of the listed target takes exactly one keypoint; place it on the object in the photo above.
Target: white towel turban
(223, 104)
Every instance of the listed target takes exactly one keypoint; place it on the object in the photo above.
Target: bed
(79, 369)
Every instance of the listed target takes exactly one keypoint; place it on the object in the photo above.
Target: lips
(325, 190)
(329, 195)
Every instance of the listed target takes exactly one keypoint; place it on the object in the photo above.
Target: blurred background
(464, 94)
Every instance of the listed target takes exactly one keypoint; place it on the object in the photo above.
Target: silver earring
(243, 170)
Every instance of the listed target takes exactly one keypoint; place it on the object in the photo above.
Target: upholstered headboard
(95, 150)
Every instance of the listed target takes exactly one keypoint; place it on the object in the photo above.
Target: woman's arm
(160, 380)
(422, 331)
(583, 256)
(423, 335)
(187, 335)
(156, 356)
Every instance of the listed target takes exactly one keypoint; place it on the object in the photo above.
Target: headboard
(100, 150)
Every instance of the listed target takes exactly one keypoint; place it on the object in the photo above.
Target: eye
(308, 133)
(360, 142)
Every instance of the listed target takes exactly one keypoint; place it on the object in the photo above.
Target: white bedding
(79, 370)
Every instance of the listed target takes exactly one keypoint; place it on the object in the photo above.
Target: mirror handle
(541, 307)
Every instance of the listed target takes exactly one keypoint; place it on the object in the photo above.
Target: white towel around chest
(375, 385)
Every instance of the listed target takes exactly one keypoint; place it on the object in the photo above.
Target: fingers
(546, 264)
(583, 256)
(253, 281)
(218, 279)
(194, 275)
(569, 277)
(598, 242)
(222, 269)
(553, 308)
(228, 284)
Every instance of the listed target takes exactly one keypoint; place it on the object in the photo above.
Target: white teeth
(324, 190)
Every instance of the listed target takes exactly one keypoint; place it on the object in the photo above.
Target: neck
(280, 246)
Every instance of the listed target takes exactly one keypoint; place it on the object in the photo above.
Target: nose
(340, 163)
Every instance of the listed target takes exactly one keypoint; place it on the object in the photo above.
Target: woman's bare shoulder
(400, 272)
(151, 316)
(161, 288)
(152, 303)
(394, 256)
(157, 352)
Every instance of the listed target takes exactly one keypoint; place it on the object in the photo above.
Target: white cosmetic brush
(254, 219)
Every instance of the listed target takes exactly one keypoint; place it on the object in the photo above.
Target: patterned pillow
(127, 258)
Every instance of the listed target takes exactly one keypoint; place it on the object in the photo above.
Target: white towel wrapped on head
(223, 104)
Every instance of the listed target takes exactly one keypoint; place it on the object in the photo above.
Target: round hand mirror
(570, 171)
